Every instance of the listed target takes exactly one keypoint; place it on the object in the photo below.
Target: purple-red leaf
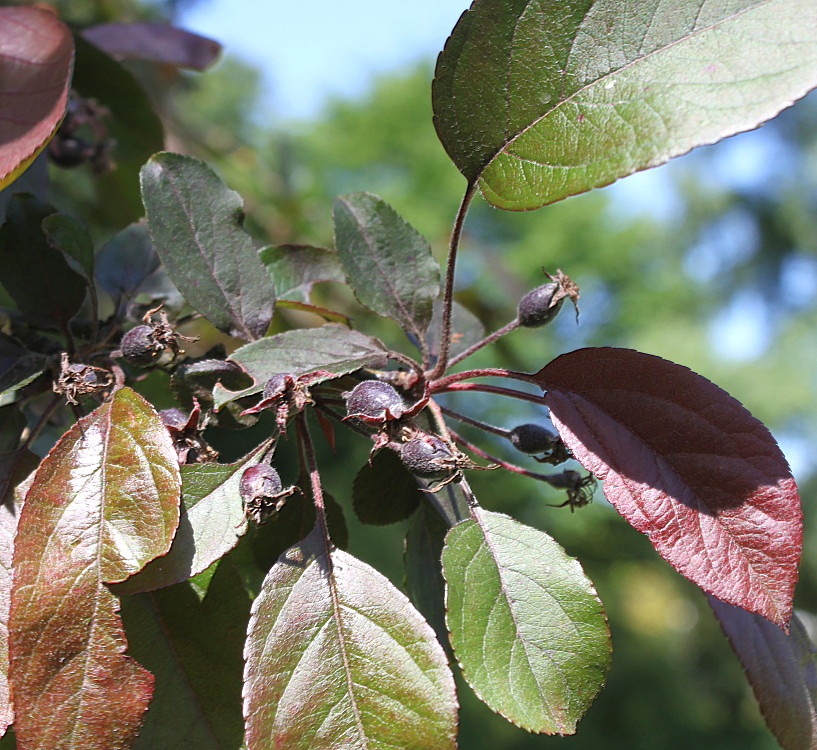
(781, 670)
(156, 42)
(686, 464)
(36, 52)
(102, 504)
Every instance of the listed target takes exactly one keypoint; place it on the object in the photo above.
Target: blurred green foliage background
(710, 261)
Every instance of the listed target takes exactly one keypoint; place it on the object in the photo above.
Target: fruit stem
(308, 451)
(475, 422)
(521, 395)
(483, 372)
(484, 342)
(448, 289)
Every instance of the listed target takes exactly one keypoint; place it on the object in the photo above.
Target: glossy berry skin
(139, 347)
(532, 438)
(538, 307)
(259, 481)
(374, 402)
(428, 456)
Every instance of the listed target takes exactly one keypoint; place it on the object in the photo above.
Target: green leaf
(210, 524)
(194, 648)
(526, 625)
(388, 263)
(337, 657)
(126, 261)
(132, 125)
(332, 348)
(9, 513)
(195, 222)
(36, 275)
(18, 367)
(536, 100)
(295, 268)
(102, 504)
(35, 73)
(424, 581)
(384, 491)
(65, 233)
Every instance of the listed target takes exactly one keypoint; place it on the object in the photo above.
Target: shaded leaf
(466, 329)
(295, 268)
(384, 491)
(155, 42)
(526, 624)
(337, 657)
(102, 504)
(330, 316)
(127, 263)
(388, 263)
(36, 275)
(686, 464)
(194, 648)
(66, 234)
(424, 581)
(133, 126)
(18, 367)
(332, 348)
(195, 222)
(35, 73)
(781, 670)
(537, 100)
(196, 379)
(16, 462)
(210, 524)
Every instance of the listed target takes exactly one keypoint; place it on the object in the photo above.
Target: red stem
(521, 395)
(484, 372)
(490, 338)
(314, 478)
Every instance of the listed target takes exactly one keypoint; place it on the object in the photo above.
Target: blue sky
(309, 50)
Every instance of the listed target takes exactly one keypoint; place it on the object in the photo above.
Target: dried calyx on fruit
(262, 492)
(539, 306)
(76, 379)
(142, 345)
(287, 394)
(185, 431)
(374, 402)
(428, 456)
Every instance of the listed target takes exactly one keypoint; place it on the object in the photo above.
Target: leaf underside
(337, 657)
(536, 100)
(526, 625)
(686, 464)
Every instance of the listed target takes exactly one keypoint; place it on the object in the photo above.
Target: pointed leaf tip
(685, 463)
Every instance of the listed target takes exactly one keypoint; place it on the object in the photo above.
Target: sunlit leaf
(194, 648)
(9, 513)
(536, 100)
(36, 53)
(388, 263)
(295, 268)
(102, 504)
(156, 42)
(384, 491)
(195, 222)
(782, 670)
(35, 274)
(210, 524)
(526, 624)
(686, 464)
(337, 657)
(332, 348)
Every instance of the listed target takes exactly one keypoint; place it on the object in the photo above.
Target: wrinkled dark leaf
(36, 52)
(332, 348)
(540, 99)
(781, 670)
(36, 275)
(295, 268)
(155, 42)
(102, 504)
(195, 222)
(686, 464)
(384, 491)
(337, 657)
(526, 624)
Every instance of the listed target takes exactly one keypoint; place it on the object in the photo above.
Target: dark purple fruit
(539, 306)
(374, 401)
(140, 347)
(428, 456)
(259, 481)
(174, 418)
(277, 384)
(533, 438)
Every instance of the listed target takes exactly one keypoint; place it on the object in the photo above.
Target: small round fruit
(532, 438)
(139, 347)
(374, 401)
(277, 384)
(174, 418)
(538, 306)
(259, 481)
(428, 456)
